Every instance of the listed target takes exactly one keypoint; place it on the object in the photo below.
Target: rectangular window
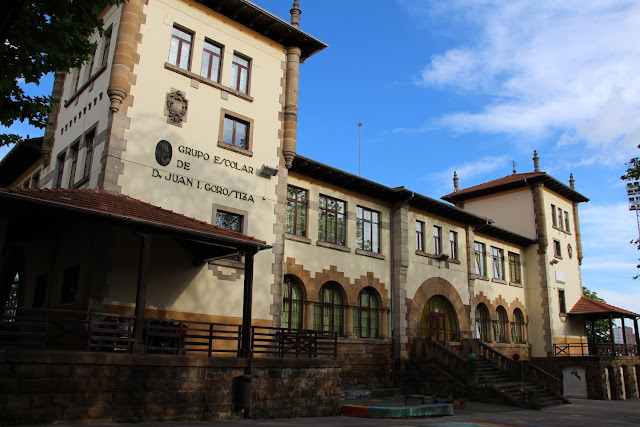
(559, 218)
(76, 80)
(562, 302)
(211, 60)
(60, 167)
(332, 224)
(240, 74)
(514, 268)
(180, 49)
(35, 180)
(88, 156)
(107, 46)
(437, 240)
(229, 220)
(557, 249)
(554, 217)
(368, 229)
(480, 259)
(235, 132)
(296, 211)
(73, 153)
(87, 72)
(566, 222)
(420, 236)
(453, 244)
(497, 261)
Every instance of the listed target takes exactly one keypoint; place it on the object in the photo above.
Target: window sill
(238, 150)
(369, 254)
(479, 277)
(555, 227)
(516, 284)
(333, 246)
(81, 182)
(85, 85)
(206, 81)
(297, 238)
(557, 256)
(504, 282)
(228, 263)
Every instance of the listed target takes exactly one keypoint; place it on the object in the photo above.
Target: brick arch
(330, 275)
(482, 298)
(303, 288)
(429, 288)
(298, 271)
(518, 304)
(369, 280)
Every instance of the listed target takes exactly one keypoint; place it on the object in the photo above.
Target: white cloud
(548, 66)
(467, 171)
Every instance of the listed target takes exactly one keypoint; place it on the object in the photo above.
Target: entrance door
(436, 325)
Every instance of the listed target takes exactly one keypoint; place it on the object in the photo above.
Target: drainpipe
(393, 334)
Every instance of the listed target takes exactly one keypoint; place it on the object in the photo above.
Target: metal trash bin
(241, 394)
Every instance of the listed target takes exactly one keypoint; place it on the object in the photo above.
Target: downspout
(393, 337)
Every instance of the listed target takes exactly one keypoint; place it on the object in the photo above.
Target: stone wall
(596, 378)
(367, 363)
(73, 386)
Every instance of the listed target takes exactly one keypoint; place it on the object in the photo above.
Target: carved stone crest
(177, 105)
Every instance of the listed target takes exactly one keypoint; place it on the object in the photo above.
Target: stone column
(384, 324)
(348, 322)
(307, 320)
(471, 279)
(576, 229)
(400, 263)
(291, 105)
(543, 242)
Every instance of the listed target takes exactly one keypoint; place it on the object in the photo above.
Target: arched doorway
(439, 320)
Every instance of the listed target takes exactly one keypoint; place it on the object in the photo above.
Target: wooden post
(624, 333)
(635, 323)
(141, 295)
(245, 349)
(611, 334)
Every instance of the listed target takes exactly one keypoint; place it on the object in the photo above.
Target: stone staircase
(515, 392)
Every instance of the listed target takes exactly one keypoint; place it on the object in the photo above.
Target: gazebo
(592, 310)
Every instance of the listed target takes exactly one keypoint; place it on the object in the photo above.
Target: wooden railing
(595, 349)
(53, 329)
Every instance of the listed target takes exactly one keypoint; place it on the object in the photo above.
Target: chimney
(455, 181)
(572, 182)
(295, 14)
(536, 162)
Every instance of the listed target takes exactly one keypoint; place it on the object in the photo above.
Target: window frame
(562, 302)
(557, 248)
(89, 143)
(60, 159)
(437, 240)
(107, 46)
(212, 54)
(500, 325)
(515, 268)
(296, 203)
(567, 227)
(338, 216)
(372, 321)
(453, 244)
(420, 236)
(224, 113)
(480, 259)
(289, 301)
(497, 254)
(518, 327)
(554, 218)
(336, 309)
(181, 42)
(237, 68)
(362, 224)
(73, 155)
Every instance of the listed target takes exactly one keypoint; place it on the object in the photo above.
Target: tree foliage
(42, 36)
(603, 333)
(633, 174)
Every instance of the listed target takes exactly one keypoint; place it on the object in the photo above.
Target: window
(559, 218)
(235, 132)
(88, 156)
(557, 249)
(76, 80)
(107, 46)
(367, 229)
(73, 153)
(453, 244)
(211, 60)
(566, 222)
(562, 302)
(180, 49)
(240, 74)
(365, 315)
(327, 314)
(87, 72)
(420, 236)
(291, 304)
(35, 180)
(500, 325)
(497, 261)
(517, 327)
(482, 322)
(332, 225)
(480, 260)
(439, 320)
(229, 220)
(296, 211)
(554, 218)
(60, 167)
(70, 279)
(437, 240)
(514, 268)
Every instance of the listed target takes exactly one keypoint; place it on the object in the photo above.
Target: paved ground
(581, 412)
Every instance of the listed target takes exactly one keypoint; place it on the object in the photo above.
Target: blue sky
(471, 86)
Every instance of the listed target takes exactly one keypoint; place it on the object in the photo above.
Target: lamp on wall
(443, 257)
(553, 261)
(267, 171)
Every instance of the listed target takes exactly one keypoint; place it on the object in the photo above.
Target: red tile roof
(124, 207)
(517, 180)
(590, 306)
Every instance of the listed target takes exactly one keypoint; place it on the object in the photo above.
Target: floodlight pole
(360, 149)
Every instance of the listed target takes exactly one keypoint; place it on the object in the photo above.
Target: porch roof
(593, 309)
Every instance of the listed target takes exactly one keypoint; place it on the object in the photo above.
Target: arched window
(291, 304)
(517, 327)
(482, 322)
(439, 320)
(500, 325)
(365, 315)
(327, 313)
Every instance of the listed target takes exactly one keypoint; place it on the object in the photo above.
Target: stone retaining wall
(73, 386)
(367, 363)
